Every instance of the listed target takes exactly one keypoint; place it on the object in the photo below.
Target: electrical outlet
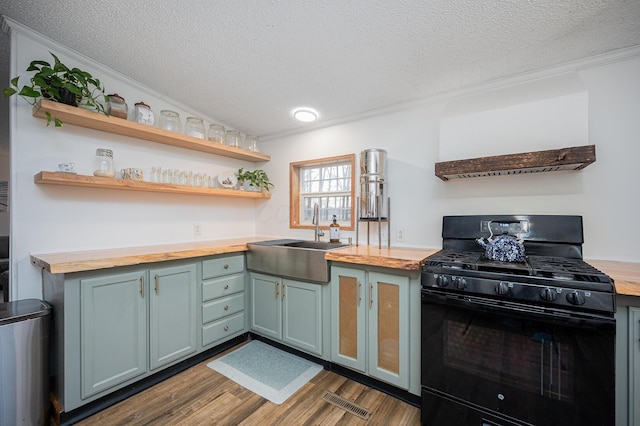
(196, 229)
(400, 234)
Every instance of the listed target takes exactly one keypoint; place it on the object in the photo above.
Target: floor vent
(349, 407)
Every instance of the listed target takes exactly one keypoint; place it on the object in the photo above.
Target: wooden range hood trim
(573, 158)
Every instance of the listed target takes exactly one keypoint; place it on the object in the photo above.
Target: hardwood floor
(202, 396)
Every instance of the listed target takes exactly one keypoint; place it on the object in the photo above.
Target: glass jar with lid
(116, 106)
(194, 127)
(216, 133)
(170, 120)
(104, 163)
(233, 138)
(143, 114)
(251, 143)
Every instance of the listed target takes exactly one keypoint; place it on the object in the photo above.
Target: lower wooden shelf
(71, 179)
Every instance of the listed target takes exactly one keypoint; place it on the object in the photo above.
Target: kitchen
(604, 89)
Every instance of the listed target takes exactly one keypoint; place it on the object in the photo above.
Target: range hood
(573, 158)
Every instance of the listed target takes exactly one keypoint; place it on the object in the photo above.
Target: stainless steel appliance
(24, 362)
(516, 343)
(373, 200)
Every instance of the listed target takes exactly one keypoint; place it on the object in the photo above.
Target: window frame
(295, 195)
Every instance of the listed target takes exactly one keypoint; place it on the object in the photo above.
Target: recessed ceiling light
(306, 115)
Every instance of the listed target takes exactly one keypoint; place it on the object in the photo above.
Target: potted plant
(258, 179)
(70, 86)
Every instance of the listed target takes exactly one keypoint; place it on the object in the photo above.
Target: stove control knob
(460, 283)
(549, 294)
(442, 280)
(575, 298)
(502, 288)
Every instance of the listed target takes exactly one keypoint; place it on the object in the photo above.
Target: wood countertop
(78, 261)
(409, 259)
(626, 275)
(88, 260)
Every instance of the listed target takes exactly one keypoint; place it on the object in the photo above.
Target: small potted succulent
(71, 86)
(257, 179)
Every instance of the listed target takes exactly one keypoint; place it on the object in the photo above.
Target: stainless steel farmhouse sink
(300, 259)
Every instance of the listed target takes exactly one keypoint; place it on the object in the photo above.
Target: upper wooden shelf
(71, 179)
(92, 120)
(574, 158)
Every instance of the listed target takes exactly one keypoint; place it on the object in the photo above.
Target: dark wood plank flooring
(201, 396)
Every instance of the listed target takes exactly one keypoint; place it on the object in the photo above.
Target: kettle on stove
(503, 248)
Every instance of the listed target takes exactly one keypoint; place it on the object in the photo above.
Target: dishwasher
(24, 362)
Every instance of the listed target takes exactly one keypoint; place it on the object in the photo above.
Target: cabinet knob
(226, 266)
(226, 328)
(226, 307)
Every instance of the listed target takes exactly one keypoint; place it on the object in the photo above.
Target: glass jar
(170, 120)
(251, 143)
(194, 127)
(143, 114)
(116, 106)
(233, 138)
(216, 133)
(104, 163)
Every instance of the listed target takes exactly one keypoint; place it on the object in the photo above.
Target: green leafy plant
(71, 86)
(257, 179)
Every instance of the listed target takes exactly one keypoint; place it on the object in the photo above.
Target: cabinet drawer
(222, 266)
(222, 307)
(222, 329)
(222, 287)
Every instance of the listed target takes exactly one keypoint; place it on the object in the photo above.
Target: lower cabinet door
(266, 312)
(113, 328)
(173, 314)
(302, 315)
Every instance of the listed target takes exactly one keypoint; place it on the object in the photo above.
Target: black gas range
(527, 342)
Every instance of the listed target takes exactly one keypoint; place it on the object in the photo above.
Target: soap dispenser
(334, 231)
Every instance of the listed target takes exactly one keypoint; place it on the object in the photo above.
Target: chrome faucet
(316, 221)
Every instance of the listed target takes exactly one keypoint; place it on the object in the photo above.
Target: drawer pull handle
(277, 289)
(226, 307)
(142, 286)
(226, 328)
(359, 292)
(370, 295)
(156, 283)
(226, 266)
(226, 287)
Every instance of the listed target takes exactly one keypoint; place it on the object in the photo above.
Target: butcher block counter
(626, 275)
(62, 263)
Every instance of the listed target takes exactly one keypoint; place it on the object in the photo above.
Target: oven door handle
(501, 307)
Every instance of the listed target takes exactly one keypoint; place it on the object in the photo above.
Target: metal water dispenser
(373, 201)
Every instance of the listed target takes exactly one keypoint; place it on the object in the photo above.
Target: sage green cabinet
(116, 326)
(172, 314)
(627, 361)
(288, 311)
(223, 299)
(113, 325)
(375, 324)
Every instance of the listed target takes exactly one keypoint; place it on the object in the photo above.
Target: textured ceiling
(248, 63)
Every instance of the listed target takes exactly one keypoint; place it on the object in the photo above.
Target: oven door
(486, 362)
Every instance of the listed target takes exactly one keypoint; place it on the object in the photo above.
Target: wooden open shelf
(71, 179)
(93, 120)
(573, 158)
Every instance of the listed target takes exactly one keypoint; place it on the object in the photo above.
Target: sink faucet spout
(316, 221)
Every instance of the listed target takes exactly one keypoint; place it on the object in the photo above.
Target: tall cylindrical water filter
(373, 197)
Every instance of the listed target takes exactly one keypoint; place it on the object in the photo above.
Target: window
(329, 182)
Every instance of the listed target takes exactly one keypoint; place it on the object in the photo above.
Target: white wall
(606, 193)
(49, 218)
